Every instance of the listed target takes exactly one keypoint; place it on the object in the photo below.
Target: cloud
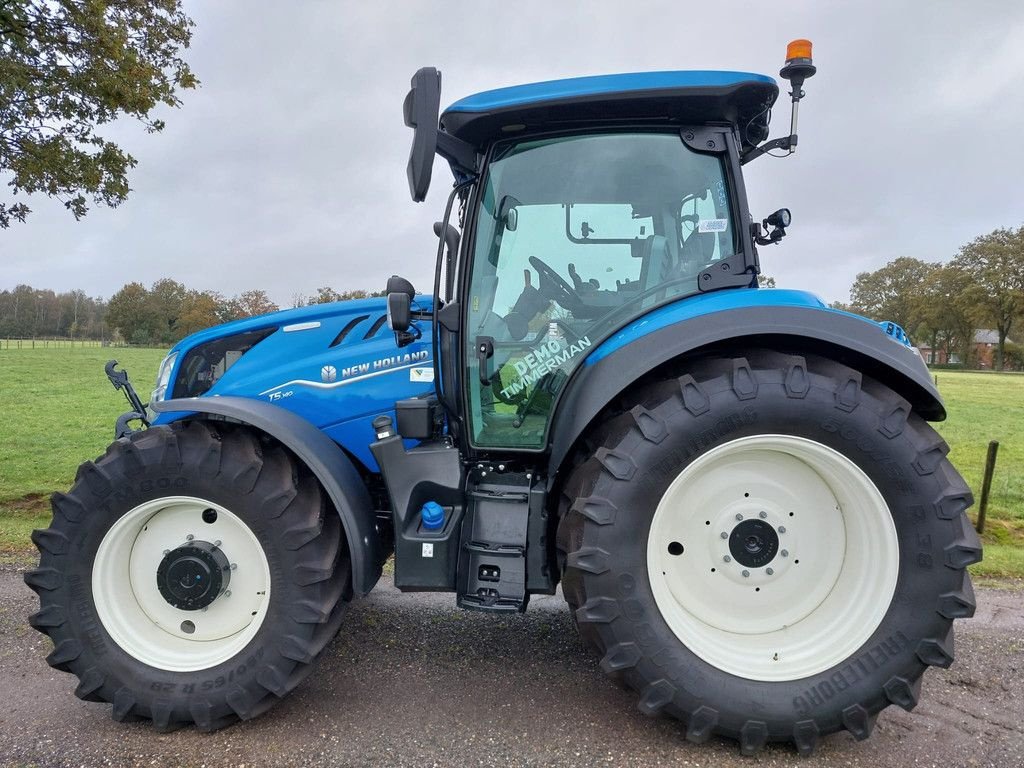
(286, 170)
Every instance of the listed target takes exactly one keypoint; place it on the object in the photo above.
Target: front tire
(690, 496)
(193, 574)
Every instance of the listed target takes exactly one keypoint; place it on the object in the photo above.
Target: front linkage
(119, 378)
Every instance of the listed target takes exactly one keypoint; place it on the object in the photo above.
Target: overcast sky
(286, 169)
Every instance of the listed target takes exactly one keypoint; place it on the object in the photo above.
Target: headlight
(204, 365)
(163, 377)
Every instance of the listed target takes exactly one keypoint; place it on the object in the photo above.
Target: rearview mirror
(399, 312)
(421, 112)
(507, 213)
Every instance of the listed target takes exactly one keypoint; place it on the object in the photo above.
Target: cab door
(574, 237)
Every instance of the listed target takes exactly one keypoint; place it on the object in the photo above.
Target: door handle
(484, 352)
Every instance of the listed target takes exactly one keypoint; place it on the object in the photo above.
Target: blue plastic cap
(433, 516)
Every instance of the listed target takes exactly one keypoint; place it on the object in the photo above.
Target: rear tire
(683, 644)
(291, 580)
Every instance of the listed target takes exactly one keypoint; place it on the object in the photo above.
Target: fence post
(986, 483)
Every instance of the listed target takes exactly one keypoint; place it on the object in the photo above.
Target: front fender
(653, 341)
(324, 458)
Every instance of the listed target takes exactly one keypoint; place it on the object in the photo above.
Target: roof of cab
(684, 97)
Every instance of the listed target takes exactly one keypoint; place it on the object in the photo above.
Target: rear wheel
(192, 574)
(770, 548)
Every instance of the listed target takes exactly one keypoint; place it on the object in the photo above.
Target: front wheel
(192, 575)
(770, 548)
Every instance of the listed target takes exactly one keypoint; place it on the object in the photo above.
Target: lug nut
(167, 552)
(227, 593)
(724, 535)
(770, 571)
(216, 543)
(739, 516)
(785, 553)
(782, 529)
(234, 566)
(727, 559)
(762, 514)
(189, 537)
(746, 573)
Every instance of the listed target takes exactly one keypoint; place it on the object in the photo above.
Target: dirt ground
(414, 681)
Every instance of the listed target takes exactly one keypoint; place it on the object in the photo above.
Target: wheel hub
(192, 576)
(753, 543)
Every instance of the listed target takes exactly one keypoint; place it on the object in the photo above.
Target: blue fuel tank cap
(432, 514)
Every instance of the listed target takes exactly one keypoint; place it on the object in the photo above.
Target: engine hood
(336, 365)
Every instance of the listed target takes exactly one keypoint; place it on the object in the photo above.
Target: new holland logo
(328, 373)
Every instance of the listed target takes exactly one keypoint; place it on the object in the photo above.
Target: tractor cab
(584, 205)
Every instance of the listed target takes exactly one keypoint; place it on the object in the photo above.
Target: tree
(765, 281)
(944, 320)
(891, 293)
(165, 300)
(250, 304)
(994, 263)
(70, 66)
(129, 313)
(326, 295)
(199, 310)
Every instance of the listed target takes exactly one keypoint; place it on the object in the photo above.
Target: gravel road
(414, 681)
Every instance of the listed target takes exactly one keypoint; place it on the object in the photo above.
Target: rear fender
(324, 458)
(647, 344)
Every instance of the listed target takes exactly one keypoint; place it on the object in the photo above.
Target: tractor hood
(332, 364)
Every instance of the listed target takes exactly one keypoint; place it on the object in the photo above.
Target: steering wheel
(558, 289)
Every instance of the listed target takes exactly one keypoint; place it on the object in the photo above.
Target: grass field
(59, 409)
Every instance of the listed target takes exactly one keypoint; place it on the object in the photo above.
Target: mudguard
(325, 459)
(659, 338)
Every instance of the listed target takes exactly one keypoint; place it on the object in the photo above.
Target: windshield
(574, 237)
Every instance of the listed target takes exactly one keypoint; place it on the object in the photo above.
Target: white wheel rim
(821, 601)
(135, 613)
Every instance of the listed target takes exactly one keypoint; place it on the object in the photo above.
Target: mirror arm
(457, 151)
(783, 142)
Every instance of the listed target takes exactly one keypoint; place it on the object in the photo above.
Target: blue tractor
(751, 520)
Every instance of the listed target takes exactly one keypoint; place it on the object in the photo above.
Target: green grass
(59, 409)
(984, 407)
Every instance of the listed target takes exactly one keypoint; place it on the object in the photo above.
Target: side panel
(675, 331)
(324, 458)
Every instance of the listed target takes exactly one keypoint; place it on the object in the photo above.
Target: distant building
(985, 344)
